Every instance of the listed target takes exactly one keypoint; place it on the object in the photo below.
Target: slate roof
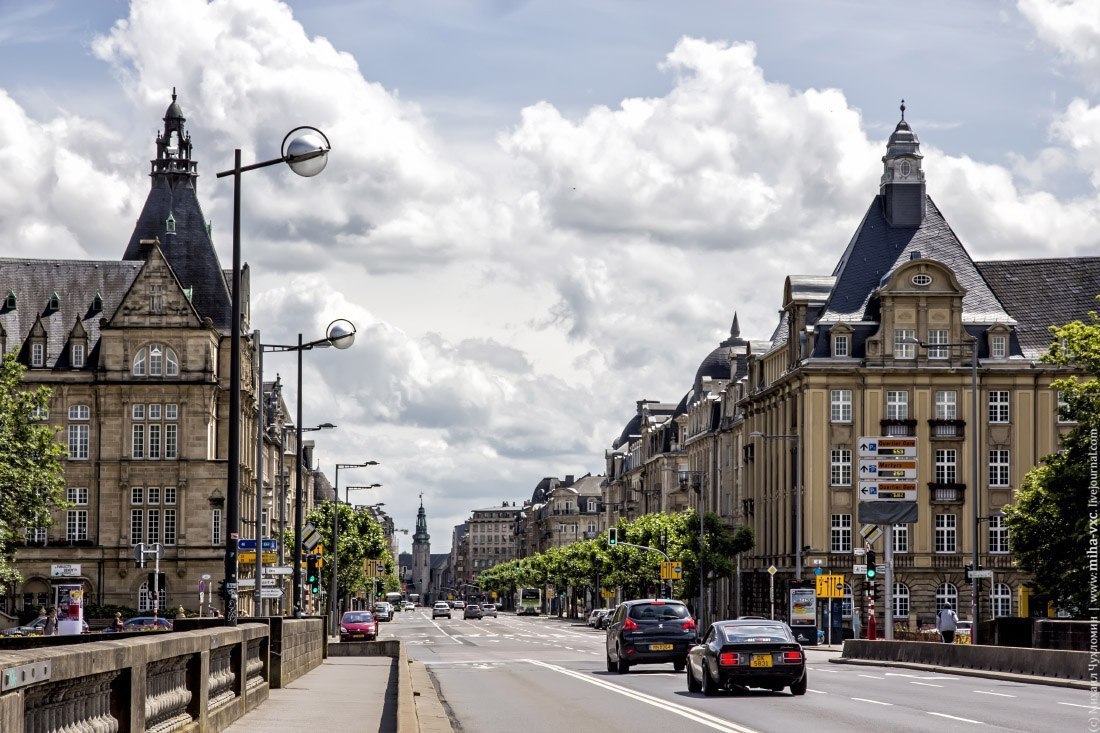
(76, 283)
(1043, 293)
(190, 250)
(877, 249)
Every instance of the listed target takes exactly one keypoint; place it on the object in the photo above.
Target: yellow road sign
(607, 592)
(249, 558)
(830, 586)
(672, 570)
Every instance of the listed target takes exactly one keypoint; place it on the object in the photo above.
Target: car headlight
(343, 630)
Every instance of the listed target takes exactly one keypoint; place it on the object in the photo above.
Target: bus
(414, 598)
(528, 602)
(394, 599)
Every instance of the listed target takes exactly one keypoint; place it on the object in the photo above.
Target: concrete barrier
(1052, 663)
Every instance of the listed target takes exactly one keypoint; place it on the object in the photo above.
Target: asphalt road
(540, 674)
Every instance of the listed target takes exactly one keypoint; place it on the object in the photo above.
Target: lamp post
(307, 156)
(333, 602)
(972, 344)
(696, 480)
(340, 334)
(797, 495)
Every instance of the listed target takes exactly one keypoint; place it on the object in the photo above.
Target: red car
(358, 625)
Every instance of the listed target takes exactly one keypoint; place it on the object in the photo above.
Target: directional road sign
(271, 592)
(887, 491)
(981, 574)
(277, 570)
(671, 570)
(859, 569)
(887, 447)
(269, 545)
(830, 586)
(890, 468)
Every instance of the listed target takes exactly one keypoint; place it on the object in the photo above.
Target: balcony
(901, 428)
(947, 429)
(940, 493)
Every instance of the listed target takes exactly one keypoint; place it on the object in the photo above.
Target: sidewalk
(344, 693)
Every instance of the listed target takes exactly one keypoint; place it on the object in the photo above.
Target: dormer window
(922, 280)
(55, 302)
(841, 345)
(998, 346)
(76, 355)
(38, 354)
(170, 224)
(9, 301)
(97, 303)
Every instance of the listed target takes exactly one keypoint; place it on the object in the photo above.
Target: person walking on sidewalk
(946, 623)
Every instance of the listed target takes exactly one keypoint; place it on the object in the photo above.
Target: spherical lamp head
(341, 333)
(307, 153)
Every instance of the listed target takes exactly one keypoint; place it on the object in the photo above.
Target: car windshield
(441, 604)
(357, 618)
(658, 612)
(762, 633)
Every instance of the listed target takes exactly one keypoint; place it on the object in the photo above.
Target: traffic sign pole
(888, 596)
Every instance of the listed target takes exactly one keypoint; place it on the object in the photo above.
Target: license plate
(761, 660)
(661, 647)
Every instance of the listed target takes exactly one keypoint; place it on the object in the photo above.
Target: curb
(406, 702)
(431, 716)
(962, 671)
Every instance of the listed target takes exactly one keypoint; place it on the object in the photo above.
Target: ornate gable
(156, 298)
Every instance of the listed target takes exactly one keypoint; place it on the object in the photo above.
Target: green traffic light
(871, 572)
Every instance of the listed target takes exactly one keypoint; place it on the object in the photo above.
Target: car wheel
(622, 667)
(679, 665)
(709, 686)
(693, 684)
(799, 688)
(610, 664)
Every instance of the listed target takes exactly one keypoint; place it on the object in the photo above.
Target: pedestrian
(50, 629)
(118, 624)
(946, 623)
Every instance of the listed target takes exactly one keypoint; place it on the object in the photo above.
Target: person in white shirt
(946, 623)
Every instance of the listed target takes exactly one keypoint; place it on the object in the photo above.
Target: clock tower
(422, 553)
(902, 184)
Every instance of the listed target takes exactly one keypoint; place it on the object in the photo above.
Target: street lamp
(361, 488)
(696, 480)
(972, 344)
(341, 335)
(797, 495)
(334, 585)
(307, 156)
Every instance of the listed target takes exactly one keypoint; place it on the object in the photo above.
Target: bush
(108, 611)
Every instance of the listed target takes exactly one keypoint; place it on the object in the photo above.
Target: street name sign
(271, 592)
(981, 574)
(859, 569)
(277, 570)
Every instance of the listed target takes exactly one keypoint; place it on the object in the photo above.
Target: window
(947, 593)
(841, 533)
(1000, 599)
(903, 347)
(145, 598)
(998, 468)
(38, 354)
(937, 337)
(1063, 409)
(170, 526)
(998, 406)
(76, 525)
(78, 442)
(840, 345)
(80, 412)
(152, 527)
(154, 441)
(946, 407)
(841, 467)
(946, 533)
(170, 495)
(998, 346)
(998, 535)
(156, 360)
(921, 279)
(78, 496)
(216, 526)
(152, 495)
(840, 405)
(897, 405)
(901, 538)
(901, 600)
(137, 442)
(137, 494)
(171, 441)
(137, 526)
(591, 505)
(76, 355)
(946, 466)
(151, 439)
(40, 413)
(34, 534)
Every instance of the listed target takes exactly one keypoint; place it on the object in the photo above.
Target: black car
(747, 653)
(654, 631)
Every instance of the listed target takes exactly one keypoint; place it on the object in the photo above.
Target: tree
(360, 539)
(32, 479)
(1053, 530)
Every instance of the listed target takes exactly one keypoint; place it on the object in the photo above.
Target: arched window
(901, 600)
(846, 601)
(145, 598)
(947, 593)
(156, 360)
(1000, 597)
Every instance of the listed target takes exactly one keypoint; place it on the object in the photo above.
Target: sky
(538, 212)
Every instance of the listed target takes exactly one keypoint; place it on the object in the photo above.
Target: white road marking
(699, 717)
(925, 684)
(1075, 705)
(938, 677)
(998, 694)
(817, 692)
(876, 702)
(872, 677)
(817, 669)
(955, 717)
(433, 623)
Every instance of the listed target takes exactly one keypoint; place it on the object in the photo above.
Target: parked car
(146, 623)
(358, 625)
(747, 653)
(488, 609)
(649, 631)
(596, 615)
(472, 611)
(383, 611)
(441, 608)
(34, 628)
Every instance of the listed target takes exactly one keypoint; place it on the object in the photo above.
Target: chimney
(914, 255)
(568, 479)
(145, 246)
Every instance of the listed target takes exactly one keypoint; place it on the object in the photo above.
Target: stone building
(136, 352)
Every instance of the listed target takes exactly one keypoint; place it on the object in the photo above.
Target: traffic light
(872, 568)
(313, 576)
(966, 573)
(612, 536)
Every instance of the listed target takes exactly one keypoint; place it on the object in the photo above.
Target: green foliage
(1051, 534)
(32, 480)
(361, 539)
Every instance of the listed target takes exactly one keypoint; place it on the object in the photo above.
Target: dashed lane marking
(817, 692)
(872, 677)
(1075, 705)
(956, 717)
(998, 694)
(925, 684)
(875, 702)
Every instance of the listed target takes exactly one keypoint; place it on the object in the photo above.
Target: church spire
(421, 534)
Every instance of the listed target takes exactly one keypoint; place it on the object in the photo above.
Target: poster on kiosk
(70, 609)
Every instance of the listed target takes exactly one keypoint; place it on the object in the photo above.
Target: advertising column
(803, 612)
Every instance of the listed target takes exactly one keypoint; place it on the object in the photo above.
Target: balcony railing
(947, 429)
(940, 493)
(905, 428)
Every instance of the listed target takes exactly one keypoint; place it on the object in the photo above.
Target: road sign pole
(771, 594)
(888, 596)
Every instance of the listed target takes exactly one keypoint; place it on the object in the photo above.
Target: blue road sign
(818, 571)
(269, 545)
